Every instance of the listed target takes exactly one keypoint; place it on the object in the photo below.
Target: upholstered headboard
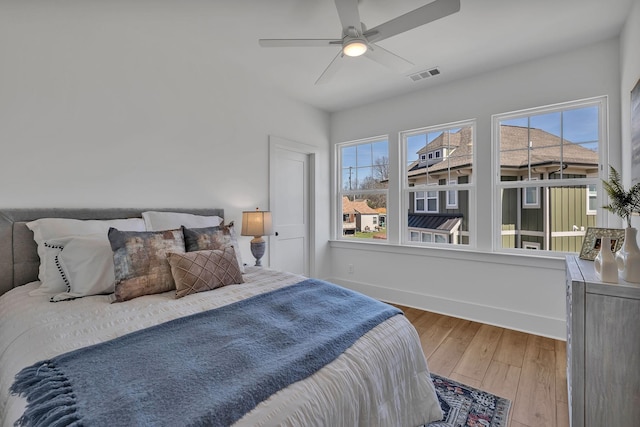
(18, 252)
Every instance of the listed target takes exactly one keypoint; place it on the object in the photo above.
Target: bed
(382, 379)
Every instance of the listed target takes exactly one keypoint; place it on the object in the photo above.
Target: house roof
(514, 141)
(356, 207)
(545, 148)
(434, 221)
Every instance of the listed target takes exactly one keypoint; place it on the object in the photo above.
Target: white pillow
(46, 229)
(160, 221)
(86, 264)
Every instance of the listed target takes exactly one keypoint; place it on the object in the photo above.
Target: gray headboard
(18, 252)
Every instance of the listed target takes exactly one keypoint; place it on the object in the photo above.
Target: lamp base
(258, 247)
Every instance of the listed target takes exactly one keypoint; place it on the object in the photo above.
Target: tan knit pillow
(201, 271)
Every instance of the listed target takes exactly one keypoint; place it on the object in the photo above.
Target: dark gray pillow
(212, 238)
(140, 260)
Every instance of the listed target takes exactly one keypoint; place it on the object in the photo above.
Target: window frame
(340, 192)
(470, 187)
(543, 184)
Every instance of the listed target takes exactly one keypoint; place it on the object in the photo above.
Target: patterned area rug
(465, 406)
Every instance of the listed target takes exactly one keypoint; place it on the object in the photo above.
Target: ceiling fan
(358, 40)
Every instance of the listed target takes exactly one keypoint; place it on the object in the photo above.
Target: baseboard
(497, 316)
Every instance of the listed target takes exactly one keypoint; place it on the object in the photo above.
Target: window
(419, 201)
(362, 188)
(432, 201)
(452, 196)
(592, 199)
(423, 157)
(561, 148)
(438, 193)
(530, 245)
(530, 198)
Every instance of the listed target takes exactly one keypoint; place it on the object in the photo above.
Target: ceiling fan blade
(331, 70)
(388, 59)
(420, 16)
(349, 15)
(298, 42)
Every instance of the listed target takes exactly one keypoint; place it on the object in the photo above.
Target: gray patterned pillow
(201, 271)
(209, 238)
(140, 260)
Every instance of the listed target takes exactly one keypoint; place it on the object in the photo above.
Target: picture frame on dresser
(593, 237)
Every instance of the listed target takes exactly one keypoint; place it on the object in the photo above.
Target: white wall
(630, 74)
(130, 104)
(516, 292)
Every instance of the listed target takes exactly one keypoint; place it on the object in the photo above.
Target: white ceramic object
(628, 257)
(605, 262)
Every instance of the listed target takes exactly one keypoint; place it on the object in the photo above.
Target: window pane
(545, 129)
(348, 155)
(451, 223)
(447, 152)
(364, 154)
(563, 230)
(365, 216)
(581, 125)
(550, 143)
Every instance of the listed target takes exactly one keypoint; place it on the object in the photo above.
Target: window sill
(548, 261)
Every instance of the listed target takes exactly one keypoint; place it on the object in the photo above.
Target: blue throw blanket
(209, 369)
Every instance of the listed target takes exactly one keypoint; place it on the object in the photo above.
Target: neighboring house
(529, 217)
(358, 216)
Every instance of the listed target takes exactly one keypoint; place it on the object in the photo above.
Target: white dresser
(603, 349)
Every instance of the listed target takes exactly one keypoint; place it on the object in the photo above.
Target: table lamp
(257, 224)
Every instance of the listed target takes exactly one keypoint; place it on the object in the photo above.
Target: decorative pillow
(140, 260)
(86, 266)
(159, 221)
(46, 229)
(200, 239)
(201, 271)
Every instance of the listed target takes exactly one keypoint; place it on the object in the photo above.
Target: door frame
(276, 142)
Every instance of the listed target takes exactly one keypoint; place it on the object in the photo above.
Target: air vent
(421, 75)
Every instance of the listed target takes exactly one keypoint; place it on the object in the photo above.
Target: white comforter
(382, 380)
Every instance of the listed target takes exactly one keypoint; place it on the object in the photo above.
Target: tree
(381, 168)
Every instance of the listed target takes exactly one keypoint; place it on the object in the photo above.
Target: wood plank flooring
(527, 369)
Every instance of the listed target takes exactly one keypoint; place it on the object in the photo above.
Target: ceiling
(484, 35)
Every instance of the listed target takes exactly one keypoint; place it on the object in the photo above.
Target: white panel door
(289, 246)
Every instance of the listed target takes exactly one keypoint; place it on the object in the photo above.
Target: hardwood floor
(527, 369)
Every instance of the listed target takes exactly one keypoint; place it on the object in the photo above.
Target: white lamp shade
(256, 223)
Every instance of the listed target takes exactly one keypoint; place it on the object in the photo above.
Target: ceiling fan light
(355, 47)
